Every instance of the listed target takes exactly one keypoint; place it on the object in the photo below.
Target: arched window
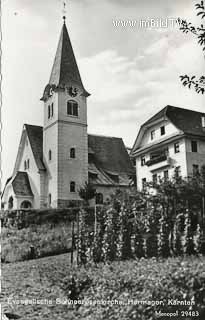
(10, 203)
(49, 199)
(49, 155)
(49, 111)
(26, 205)
(72, 186)
(99, 198)
(28, 164)
(72, 153)
(52, 109)
(25, 165)
(72, 108)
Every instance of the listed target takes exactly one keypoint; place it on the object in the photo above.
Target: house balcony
(159, 162)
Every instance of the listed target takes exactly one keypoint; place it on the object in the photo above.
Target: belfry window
(72, 186)
(72, 108)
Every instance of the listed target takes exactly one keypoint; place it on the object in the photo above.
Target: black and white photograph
(102, 159)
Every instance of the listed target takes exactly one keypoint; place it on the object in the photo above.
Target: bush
(35, 242)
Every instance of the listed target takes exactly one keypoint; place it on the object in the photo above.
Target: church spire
(65, 70)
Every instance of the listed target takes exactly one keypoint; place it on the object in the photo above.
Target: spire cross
(64, 11)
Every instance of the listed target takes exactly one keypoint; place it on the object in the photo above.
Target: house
(172, 140)
(55, 160)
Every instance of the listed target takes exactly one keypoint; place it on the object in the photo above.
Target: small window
(166, 175)
(72, 108)
(10, 203)
(72, 186)
(143, 161)
(52, 109)
(203, 121)
(28, 164)
(49, 112)
(99, 198)
(162, 130)
(144, 183)
(178, 171)
(193, 146)
(154, 178)
(195, 170)
(25, 165)
(49, 155)
(152, 134)
(72, 153)
(49, 199)
(176, 147)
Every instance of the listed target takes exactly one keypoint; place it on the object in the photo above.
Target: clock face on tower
(72, 91)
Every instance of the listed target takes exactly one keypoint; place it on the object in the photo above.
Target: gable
(30, 147)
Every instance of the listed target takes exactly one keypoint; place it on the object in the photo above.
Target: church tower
(65, 139)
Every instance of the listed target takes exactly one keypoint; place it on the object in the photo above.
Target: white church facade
(55, 160)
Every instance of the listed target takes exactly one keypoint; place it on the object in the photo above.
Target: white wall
(170, 130)
(176, 159)
(32, 172)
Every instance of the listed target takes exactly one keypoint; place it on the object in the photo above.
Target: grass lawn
(119, 283)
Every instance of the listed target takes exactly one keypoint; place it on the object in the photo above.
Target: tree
(87, 192)
(199, 33)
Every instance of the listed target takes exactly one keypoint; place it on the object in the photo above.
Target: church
(54, 161)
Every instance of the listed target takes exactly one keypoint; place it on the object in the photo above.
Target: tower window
(49, 112)
(52, 109)
(49, 155)
(25, 165)
(49, 199)
(72, 186)
(162, 130)
(193, 146)
(72, 108)
(72, 153)
(28, 164)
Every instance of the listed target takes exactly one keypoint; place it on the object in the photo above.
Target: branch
(198, 84)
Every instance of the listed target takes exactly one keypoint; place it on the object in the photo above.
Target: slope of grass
(120, 289)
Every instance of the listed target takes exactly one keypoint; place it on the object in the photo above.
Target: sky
(131, 72)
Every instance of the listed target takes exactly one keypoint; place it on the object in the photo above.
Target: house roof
(35, 136)
(109, 162)
(188, 121)
(21, 184)
(65, 69)
(110, 154)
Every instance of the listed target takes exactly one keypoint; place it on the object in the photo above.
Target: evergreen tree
(82, 239)
(124, 244)
(177, 241)
(164, 232)
(111, 236)
(188, 235)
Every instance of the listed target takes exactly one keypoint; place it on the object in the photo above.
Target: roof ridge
(103, 136)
